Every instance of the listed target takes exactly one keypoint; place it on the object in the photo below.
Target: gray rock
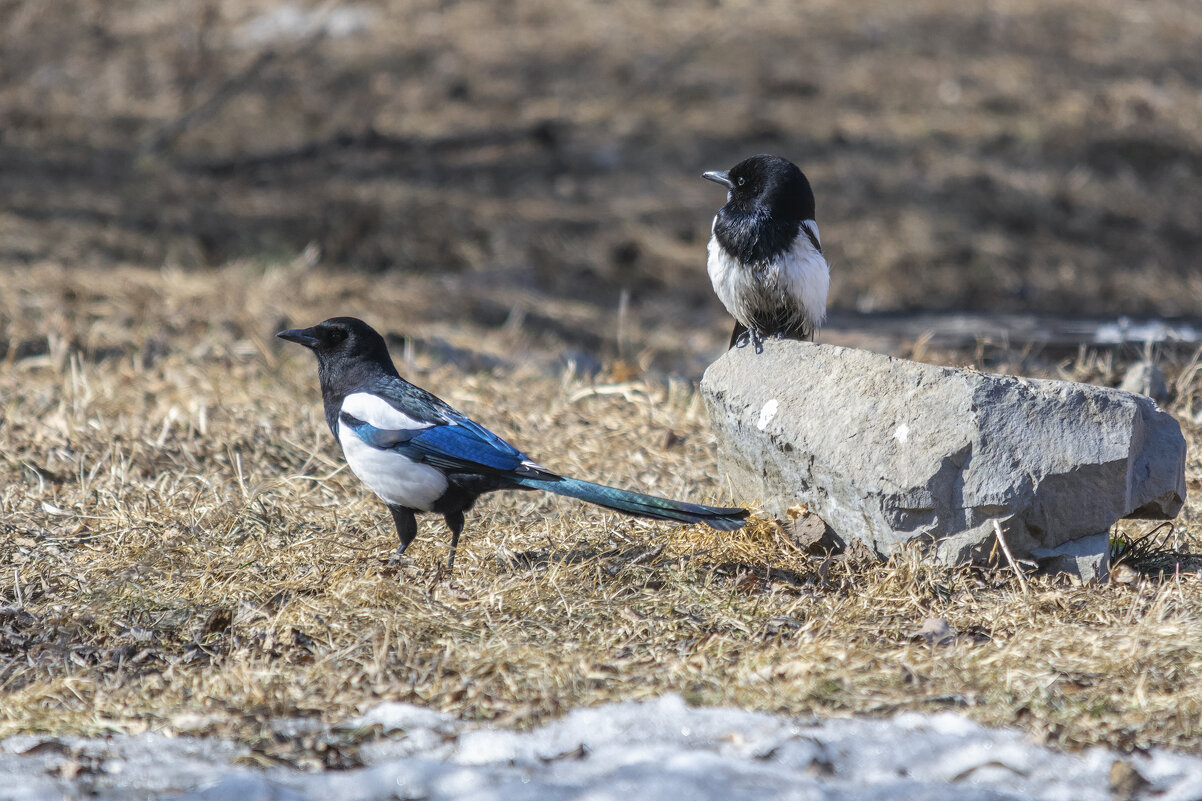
(1087, 558)
(895, 452)
(1145, 378)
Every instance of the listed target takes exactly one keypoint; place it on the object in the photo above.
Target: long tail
(635, 503)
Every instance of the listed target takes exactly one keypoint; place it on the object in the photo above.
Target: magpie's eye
(335, 335)
(742, 180)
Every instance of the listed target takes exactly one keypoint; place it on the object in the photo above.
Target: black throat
(753, 235)
(768, 201)
(344, 375)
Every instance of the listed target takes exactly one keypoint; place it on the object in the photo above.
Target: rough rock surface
(892, 452)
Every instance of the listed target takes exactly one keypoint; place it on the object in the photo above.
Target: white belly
(396, 478)
(797, 283)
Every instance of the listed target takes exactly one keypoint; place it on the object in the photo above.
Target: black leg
(406, 529)
(742, 337)
(757, 339)
(738, 337)
(455, 524)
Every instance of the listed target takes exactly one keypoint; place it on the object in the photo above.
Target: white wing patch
(394, 477)
(808, 276)
(812, 227)
(377, 412)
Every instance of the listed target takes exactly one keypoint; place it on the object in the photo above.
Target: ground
(512, 193)
(189, 554)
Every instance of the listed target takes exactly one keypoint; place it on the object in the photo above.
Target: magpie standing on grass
(765, 257)
(420, 455)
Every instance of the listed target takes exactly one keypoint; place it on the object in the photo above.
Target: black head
(769, 183)
(344, 345)
(767, 199)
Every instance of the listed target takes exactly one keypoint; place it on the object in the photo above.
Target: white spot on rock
(902, 433)
(766, 414)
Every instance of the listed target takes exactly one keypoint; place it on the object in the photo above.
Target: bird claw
(753, 336)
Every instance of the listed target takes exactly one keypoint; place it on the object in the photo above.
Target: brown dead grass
(185, 552)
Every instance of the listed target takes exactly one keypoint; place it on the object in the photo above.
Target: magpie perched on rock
(420, 455)
(765, 257)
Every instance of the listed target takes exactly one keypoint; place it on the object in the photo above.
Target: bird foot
(752, 336)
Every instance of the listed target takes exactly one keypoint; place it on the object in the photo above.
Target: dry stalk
(1001, 538)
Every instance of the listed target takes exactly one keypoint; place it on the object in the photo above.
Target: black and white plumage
(765, 256)
(420, 455)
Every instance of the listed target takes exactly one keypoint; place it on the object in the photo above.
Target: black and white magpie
(765, 257)
(420, 455)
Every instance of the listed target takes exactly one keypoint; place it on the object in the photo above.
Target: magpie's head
(766, 186)
(341, 341)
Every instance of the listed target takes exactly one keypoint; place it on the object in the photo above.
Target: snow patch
(766, 414)
(661, 748)
(290, 22)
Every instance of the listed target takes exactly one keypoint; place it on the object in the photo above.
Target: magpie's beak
(301, 336)
(719, 177)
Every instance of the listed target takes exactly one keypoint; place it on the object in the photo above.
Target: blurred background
(536, 164)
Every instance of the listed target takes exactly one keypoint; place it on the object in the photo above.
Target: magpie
(420, 455)
(765, 257)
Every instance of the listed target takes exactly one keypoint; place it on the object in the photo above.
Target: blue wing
(464, 444)
(452, 442)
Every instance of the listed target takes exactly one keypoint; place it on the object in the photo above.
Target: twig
(17, 586)
(1022, 580)
(168, 133)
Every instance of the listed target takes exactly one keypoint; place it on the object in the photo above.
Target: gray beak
(301, 336)
(719, 177)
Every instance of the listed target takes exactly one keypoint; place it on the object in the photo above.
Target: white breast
(728, 279)
(394, 477)
(798, 281)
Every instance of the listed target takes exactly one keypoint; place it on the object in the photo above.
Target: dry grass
(185, 552)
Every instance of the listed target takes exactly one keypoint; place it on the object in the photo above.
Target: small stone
(580, 363)
(1087, 558)
(1123, 574)
(1126, 783)
(1145, 378)
(812, 535)
(934, 631)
